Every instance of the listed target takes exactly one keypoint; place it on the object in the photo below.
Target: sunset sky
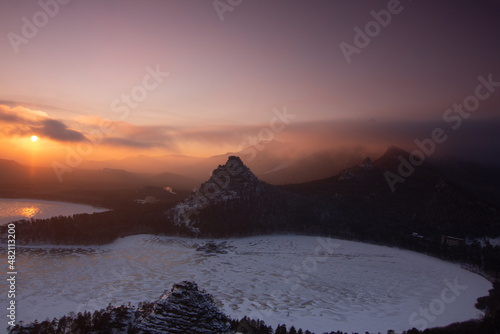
(122, 78)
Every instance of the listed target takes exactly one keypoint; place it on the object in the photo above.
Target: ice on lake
(17, 209)
(314, 283)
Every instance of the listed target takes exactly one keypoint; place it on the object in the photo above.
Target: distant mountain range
(440, 197)
(356, 202)
(99, 187)
(107, 182)
(271, 161)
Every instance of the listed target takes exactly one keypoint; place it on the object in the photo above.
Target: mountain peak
(389, 160)
(234, 158)
(232, 174)
(228, 182)
(394, 151)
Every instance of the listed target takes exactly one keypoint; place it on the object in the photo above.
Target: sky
(112, 79)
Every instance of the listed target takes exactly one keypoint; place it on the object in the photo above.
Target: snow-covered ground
(314, 283)
(16, 209)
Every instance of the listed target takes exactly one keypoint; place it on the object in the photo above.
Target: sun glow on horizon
(34, 139)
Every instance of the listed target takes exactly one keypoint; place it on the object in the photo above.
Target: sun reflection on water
(29, 212)
(17, 209)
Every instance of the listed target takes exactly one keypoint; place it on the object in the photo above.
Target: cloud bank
(476, 139)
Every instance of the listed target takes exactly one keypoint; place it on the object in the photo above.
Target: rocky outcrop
(211, 248)
(235, 202)
(185, 309)
(230, 181)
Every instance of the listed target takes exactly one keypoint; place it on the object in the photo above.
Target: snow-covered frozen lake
(314, 283)
(16, 209)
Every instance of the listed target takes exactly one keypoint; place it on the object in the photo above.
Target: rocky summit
(185, 310)
(235, 201)
(229, 181)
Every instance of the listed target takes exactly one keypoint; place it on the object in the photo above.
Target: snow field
(314, 283)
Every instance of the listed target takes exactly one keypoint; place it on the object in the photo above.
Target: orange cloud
(21, 121)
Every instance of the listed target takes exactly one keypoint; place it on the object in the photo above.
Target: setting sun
(34, 138)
